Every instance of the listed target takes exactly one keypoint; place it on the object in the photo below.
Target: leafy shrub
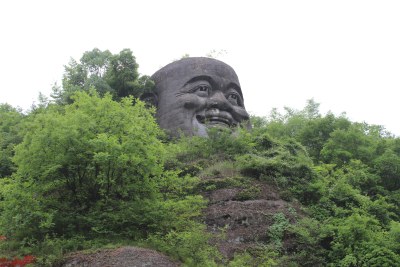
(262, 256)
(277, 230)
(252, 192)
(284, 165)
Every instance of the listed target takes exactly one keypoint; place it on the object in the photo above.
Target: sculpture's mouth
(214, 121)
(214, 117)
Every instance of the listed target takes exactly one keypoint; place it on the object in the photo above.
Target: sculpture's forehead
(179, 72)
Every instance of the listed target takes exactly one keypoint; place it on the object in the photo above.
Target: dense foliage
(353, 198)
(116, 74)
(91, 168)
(10, 128)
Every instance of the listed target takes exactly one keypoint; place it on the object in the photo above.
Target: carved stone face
(194, 94)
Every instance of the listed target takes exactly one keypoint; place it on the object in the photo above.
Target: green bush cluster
(350, 195)
(92, 172)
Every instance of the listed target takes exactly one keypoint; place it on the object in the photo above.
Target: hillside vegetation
(90, 168)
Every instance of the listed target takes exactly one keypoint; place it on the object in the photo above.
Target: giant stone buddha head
(195, 94)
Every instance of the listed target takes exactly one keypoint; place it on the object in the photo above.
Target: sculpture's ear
(150, 99)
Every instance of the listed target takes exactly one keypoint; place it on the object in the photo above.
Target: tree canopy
(116, 74)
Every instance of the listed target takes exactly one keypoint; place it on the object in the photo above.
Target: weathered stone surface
(245, 223)
(122, 257)
(194, 94)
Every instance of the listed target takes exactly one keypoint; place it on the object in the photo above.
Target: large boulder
(122, 257)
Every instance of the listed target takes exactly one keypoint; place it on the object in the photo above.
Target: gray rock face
(245, 223)
(194, 94)
(122, 257)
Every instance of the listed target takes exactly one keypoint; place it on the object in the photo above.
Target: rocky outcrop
(242, 223)
(122, 257)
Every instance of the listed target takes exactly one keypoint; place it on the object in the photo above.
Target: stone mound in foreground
(122, 257)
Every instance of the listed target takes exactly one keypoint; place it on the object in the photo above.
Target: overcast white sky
(344, 54)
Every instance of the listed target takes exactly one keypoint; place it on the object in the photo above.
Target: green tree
(93, 168)
(122, 74)
(307, 126)
(317, 131)
(346, 144)
(10, 127)
(359, 241)
(388, 168)
(116, 74)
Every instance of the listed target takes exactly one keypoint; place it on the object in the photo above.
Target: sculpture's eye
(234, 99)
(202, 90)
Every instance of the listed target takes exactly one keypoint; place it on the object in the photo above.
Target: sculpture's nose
(218, 101)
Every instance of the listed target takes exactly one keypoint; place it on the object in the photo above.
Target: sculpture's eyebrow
(200, 78)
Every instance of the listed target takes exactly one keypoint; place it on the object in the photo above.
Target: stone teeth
(218, 119)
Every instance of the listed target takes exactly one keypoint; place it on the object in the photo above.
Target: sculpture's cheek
(193, 102)
(240, 114)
